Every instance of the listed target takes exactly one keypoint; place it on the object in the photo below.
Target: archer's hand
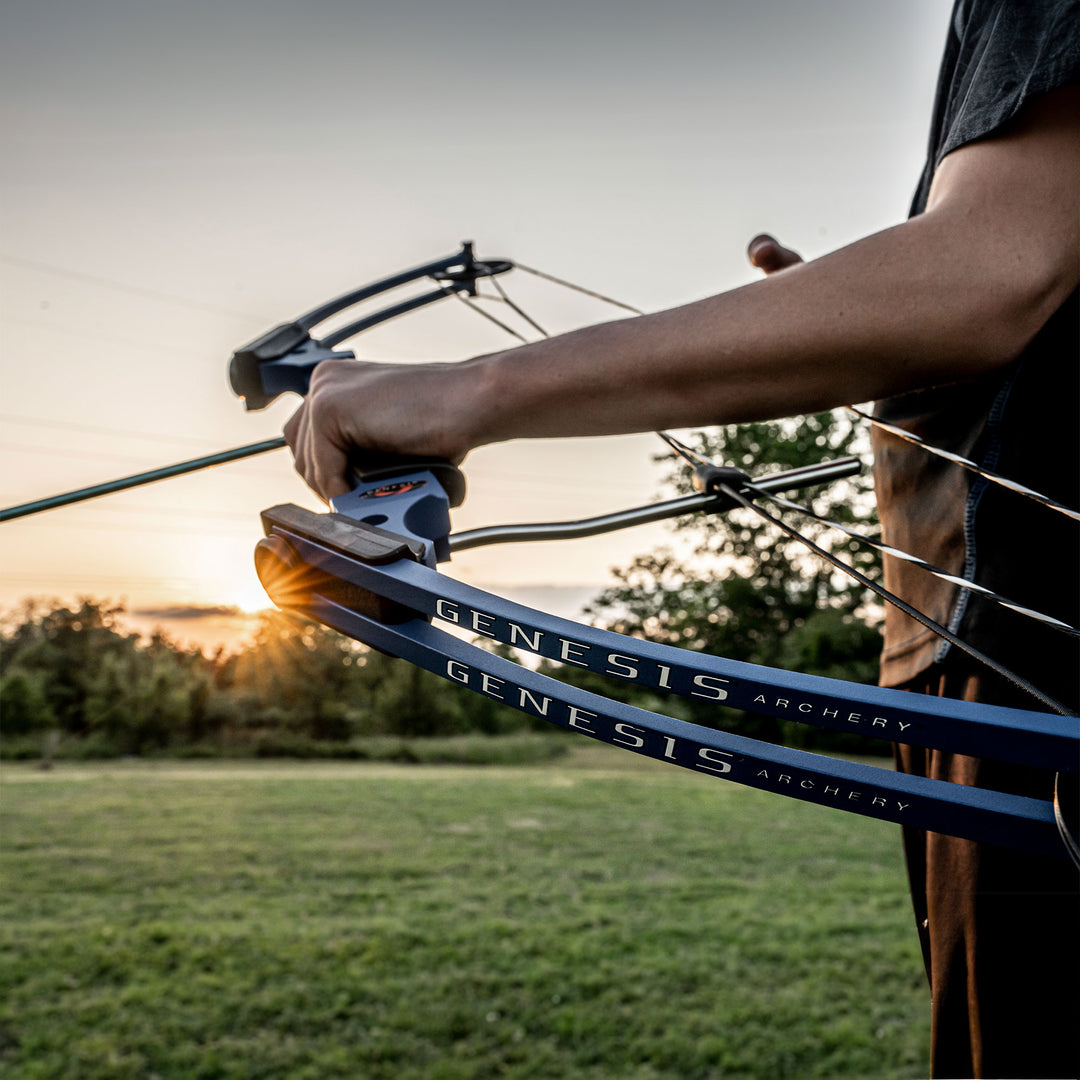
(351, 406)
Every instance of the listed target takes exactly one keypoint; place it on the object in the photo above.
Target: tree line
(75, 682)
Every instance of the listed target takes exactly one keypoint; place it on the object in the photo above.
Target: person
(961, 322)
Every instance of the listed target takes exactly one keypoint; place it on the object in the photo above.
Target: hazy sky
(179, 177)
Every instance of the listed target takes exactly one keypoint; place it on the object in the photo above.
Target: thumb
(769, 255)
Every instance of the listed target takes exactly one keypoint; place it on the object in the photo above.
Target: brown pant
(1000, 929)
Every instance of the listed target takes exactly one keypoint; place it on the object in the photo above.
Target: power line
(124, 483)
(81, 455)
(71, 452)
(165, 530)
(168, 511)
(75, 580)
(124, 287)
(83, 334)
(94, 429)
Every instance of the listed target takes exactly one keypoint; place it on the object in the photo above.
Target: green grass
(595, 917)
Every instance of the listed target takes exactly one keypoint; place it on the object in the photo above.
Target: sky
(176, 178)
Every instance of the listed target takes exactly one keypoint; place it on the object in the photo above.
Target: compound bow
(368, 569)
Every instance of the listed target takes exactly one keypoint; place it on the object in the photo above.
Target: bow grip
(407, 496)
(369, 466)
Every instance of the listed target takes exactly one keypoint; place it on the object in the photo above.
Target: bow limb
(329, 555)
(862, 789)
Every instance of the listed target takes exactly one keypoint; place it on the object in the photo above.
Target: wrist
(470, 404)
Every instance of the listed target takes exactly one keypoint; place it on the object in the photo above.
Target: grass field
(595, 917)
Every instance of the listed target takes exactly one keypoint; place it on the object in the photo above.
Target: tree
(78, 671)
(62, 647)
(405, 700)
(24, 705)
(295, 674)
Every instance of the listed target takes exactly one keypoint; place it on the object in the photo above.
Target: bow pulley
(283, 359)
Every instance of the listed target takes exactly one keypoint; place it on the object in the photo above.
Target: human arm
(952, 293)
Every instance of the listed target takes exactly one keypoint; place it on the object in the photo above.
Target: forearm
(913, 306)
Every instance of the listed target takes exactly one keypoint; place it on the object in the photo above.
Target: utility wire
(121, 286)
(897, 553)
(96, 429)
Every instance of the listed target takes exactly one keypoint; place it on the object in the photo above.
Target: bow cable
(756, 489)
(691, 456)
(514, 307)
(956, 459)
(467, 301)
(579, 288)
(964, 463)
(892, 598)
(695, 459)
(897, 553)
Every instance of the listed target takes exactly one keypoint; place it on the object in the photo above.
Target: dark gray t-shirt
(1021, 422)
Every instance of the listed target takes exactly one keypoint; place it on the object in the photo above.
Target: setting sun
(248, 595)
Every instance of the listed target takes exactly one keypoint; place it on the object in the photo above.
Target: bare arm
(954, 292)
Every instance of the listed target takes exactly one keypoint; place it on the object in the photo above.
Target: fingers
(297, 434)
(769, 255)
(357, 405)
(317, 455)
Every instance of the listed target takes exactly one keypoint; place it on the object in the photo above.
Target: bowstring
(684, 451)
(892, 598)
(515, 308)
(897, 553)
(579, 288)
(480, 311)
(964, 463)
(693, 458)
(691, 455)
(956, 459)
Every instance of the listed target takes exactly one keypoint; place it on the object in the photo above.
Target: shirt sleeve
(1006, 53)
